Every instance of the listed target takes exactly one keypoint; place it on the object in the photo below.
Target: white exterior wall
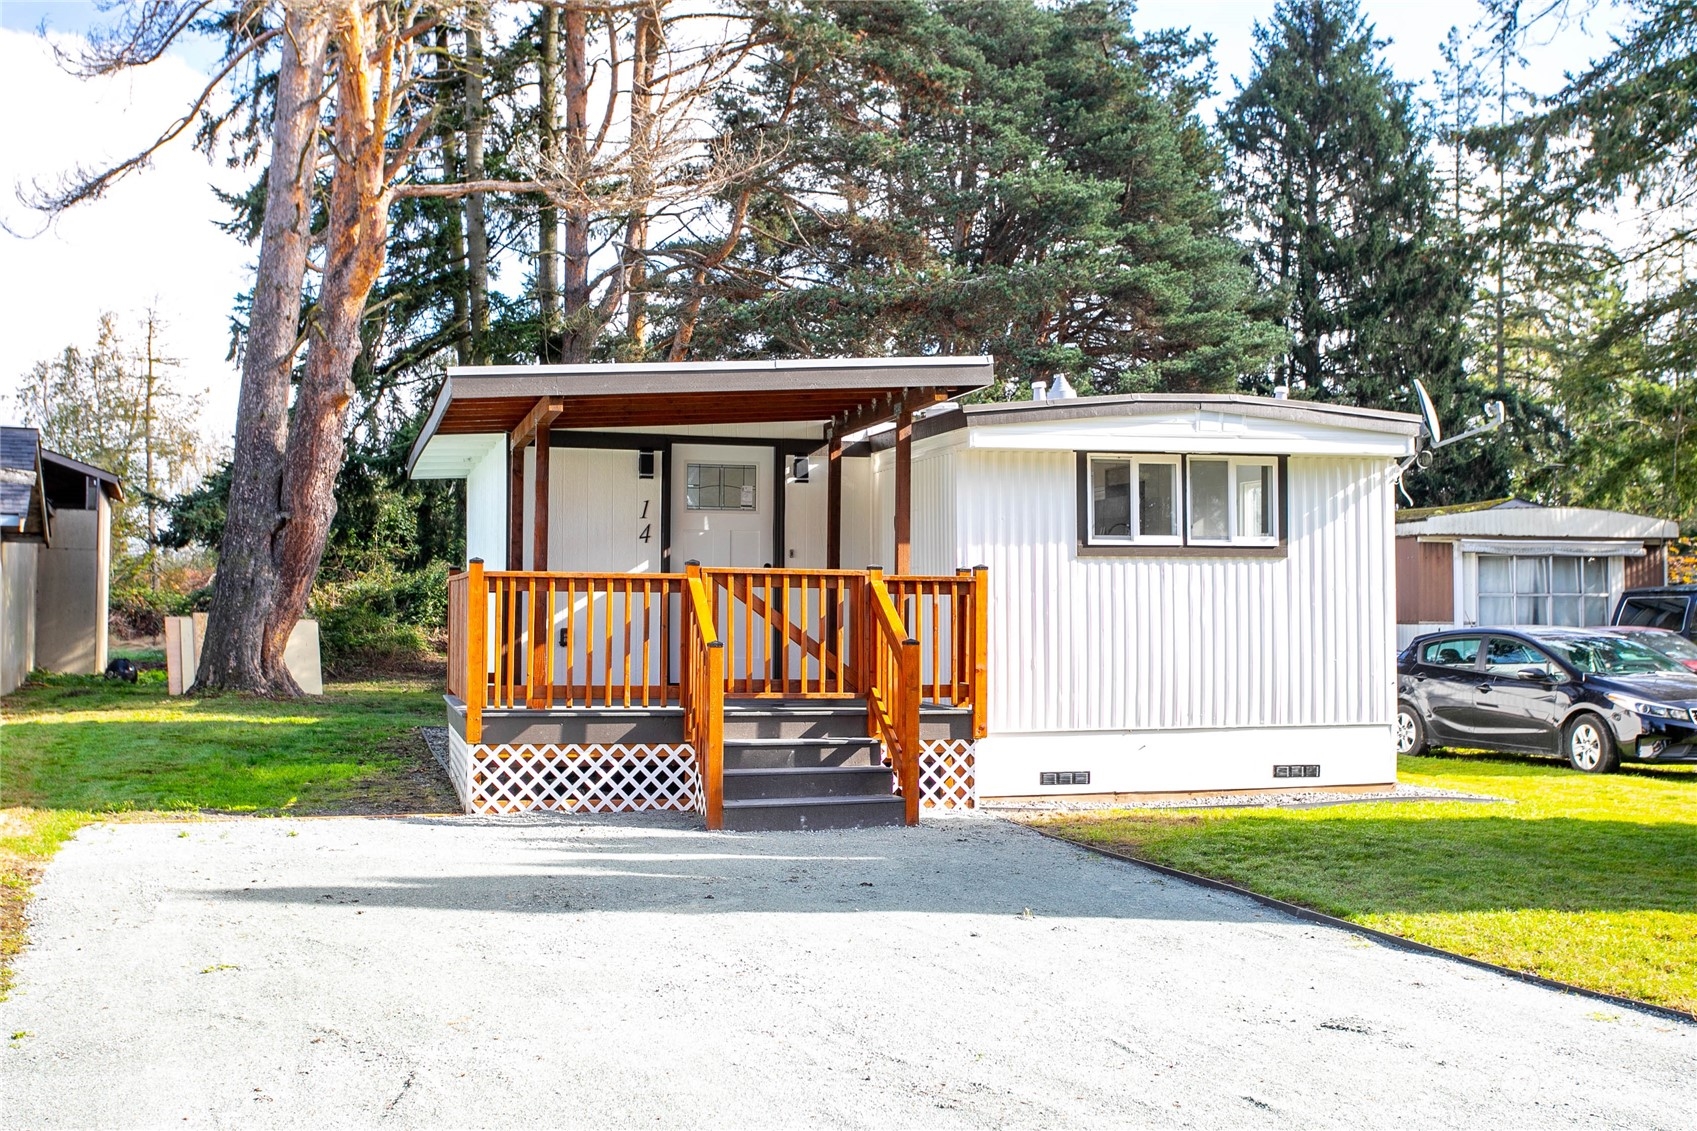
(486, 507)
(17, 613)
(1159, 674)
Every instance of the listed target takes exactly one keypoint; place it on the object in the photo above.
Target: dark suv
(1590, 697)
(1673, 607)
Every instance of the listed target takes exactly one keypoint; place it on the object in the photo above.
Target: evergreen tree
(1355, 235)
(1025, 180)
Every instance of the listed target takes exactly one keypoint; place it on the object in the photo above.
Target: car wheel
(1590, 746)
(1410, 730)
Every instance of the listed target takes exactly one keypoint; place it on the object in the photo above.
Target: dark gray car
(1593, 698)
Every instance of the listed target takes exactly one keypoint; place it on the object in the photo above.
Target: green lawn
(1591, 880)
(76, 748)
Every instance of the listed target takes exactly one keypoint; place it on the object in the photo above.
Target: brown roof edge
(960, 375)
(109, 483)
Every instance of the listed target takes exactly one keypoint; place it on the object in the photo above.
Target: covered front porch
(655, 612)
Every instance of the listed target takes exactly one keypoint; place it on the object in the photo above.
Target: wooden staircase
(808, 764)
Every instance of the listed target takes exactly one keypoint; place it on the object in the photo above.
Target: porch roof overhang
(849, 393)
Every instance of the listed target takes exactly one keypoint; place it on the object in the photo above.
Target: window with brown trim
(1199, 503)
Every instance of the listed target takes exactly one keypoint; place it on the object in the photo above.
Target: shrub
(382, 618)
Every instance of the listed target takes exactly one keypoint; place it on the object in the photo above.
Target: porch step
(805, 718)
(801, 753)
(806, 782)
(781, 814)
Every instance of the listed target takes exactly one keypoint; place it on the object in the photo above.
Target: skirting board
(1184, 761)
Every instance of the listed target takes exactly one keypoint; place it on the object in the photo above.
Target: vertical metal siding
(1153, 643)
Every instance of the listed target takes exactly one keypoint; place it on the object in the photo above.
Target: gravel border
(1304, 799)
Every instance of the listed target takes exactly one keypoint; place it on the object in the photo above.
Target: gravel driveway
(540, 972)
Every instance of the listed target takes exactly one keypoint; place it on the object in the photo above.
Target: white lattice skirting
(947, 775)
(591, 778)
(596, 778)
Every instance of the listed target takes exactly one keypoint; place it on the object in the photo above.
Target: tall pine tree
(1352, 233)
(1022, 179)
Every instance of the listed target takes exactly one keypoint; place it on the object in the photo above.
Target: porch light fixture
(645, 463)
(800, 469)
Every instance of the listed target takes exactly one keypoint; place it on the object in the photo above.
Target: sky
(152, 241)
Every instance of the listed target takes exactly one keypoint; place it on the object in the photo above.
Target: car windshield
(1609, 655)
(1668, 644)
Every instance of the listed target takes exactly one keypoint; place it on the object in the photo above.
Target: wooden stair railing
(702, 690)
(893, 693)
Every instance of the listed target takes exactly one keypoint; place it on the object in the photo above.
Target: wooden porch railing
(703, 694)
(787, 631)
(892, 696)
(540, 641)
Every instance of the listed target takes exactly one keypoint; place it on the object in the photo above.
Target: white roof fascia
(1193, 432)
(1543, 523)
(1590, 548)
(453, 457)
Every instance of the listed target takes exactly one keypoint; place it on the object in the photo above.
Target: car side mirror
(1534, 675)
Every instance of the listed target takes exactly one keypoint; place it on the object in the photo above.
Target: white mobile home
(675, 596)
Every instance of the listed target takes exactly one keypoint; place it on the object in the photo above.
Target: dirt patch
(416, 785)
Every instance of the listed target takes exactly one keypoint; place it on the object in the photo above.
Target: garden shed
(1510, 562)
(55, 559)
(682, 575)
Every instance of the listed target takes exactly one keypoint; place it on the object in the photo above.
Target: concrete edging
(1308, 914)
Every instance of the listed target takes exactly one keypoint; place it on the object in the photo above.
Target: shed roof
(497, 399)
(109, 483)
(18, 473)
(1516, 518)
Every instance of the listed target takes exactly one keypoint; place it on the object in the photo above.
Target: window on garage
(1543, 589)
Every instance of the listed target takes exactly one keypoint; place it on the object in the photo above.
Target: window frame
(1548, 595)
(753, 485)
(1091, 545)
(1134, 500)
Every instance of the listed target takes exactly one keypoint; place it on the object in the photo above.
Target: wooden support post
(477, 650)
(907, 723)
(539, 506)
(980, 651)
(834, 502)
(904, 491)
(515, 510)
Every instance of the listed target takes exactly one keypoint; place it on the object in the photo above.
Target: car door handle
(1484, 688)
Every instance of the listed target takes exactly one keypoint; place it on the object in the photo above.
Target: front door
(722, 500)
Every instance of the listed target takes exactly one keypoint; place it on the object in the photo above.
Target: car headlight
(1650, 710)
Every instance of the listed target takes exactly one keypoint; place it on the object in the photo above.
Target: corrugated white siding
(486, 508)
(872, 512)
(1136, 643)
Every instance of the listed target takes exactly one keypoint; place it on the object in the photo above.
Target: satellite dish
(1430, 413)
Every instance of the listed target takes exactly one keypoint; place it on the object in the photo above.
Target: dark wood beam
(542, 414)
(515, 510)
(539, 521)
(904, 491)
(834, 502)
(888, 408)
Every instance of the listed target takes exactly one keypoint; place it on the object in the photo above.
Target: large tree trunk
(548, 219)
(477, 233)
(247, 576)
(578, 336)
(355, 247)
